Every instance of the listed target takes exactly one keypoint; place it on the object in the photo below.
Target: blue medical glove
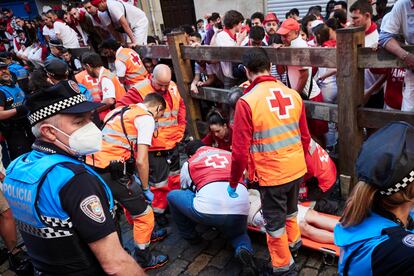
(148, 195)
(232, 192)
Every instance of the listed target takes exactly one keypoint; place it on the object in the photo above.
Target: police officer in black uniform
(13, 121)
(376, 232)
(63, 209)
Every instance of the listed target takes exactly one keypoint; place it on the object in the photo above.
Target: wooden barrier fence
(350, 57)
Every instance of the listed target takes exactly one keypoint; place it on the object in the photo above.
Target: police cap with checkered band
(386, 160)
(62, 98)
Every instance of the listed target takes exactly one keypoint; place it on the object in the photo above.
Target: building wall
(50, 3)
(246, 7)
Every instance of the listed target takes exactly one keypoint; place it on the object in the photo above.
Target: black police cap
(386, 160)
(62, 98)
(56, 66)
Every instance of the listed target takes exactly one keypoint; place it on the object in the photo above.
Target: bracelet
(405, 55)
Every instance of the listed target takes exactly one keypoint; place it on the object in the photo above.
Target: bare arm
(113, 258)
(394, 47)
(210, 80)
(303, 79)
(143, 165)
(328, 74)
(124, 24)
(7, 114)
(193, 86)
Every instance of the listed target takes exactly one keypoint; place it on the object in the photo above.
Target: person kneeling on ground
(204, 200)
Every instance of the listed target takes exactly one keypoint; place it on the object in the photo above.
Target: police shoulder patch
(74, 86)
(409, 240)
(92, 207)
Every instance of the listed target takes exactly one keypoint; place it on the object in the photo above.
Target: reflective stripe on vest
(14, 96)
(276, 151)
(135, 70)
(115, 146)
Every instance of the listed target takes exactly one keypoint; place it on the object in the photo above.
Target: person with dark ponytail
(220, 135)
(376, 231)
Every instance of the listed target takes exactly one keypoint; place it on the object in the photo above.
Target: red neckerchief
(259, 80)
(267, 38)
(371, 28)
(311, 38)
(60, 20)
(96, 17)
(82, 15)
(330, 43)
(232, 36)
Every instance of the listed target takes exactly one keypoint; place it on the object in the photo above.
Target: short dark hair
(196, 34)
(192, 147)
(275, 39)
(232, 18)
(200, 20)
(340, 15)
(110, 43)
(321, 33)
(258, 15)
(294, 11)
(333, 23)
(65, 50)
(305, 22)
(344, 4)
(92, 59)
(71, 6)
(257, 33)
(187, 29)
(214, 117)
(256, 60)
(5, 10)
(214, 16)
(155, 98)
(363, 6)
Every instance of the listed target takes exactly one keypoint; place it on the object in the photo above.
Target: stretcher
(329, 251)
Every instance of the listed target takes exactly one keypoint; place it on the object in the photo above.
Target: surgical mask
(85, 140)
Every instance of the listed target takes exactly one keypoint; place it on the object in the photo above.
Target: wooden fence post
(350, 81)
(184, 75)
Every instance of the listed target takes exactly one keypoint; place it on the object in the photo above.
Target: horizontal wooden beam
(368, 58)
(212, 94)
(318, 57)
(154, 51)
(377, 118)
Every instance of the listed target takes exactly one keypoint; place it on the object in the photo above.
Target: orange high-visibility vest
(91, 84)
(119, 88)
(169, 133)
(135, 69)
(276, 148)
(115, 146)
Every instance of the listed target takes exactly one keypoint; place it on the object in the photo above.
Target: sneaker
(148, 261)
(158, 234)
(245, 257)
(161, 220)
(267, 270)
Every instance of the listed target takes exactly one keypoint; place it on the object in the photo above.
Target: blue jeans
(234, 227)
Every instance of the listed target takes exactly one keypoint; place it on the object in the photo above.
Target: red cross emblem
(91, 80)
(216, 161)
(280, 103)
(135, 58)
(105, 89)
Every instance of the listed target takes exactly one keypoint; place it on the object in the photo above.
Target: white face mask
(85, 140)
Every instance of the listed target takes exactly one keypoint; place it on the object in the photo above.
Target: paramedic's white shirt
(134, 16)
(214, 198)
(107, 86)
(66, 34)
(145, 126)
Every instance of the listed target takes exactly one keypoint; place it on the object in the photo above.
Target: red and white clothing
(107, 86)
(49, 32)
(226, 38)
(65, 33)
(393, 96)
(145, 125)
(371, 40)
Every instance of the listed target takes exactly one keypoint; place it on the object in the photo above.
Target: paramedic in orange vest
(127, 134)
(203, 199)
(108, 83)
(129, 66)
(163, 157)
(272, 129)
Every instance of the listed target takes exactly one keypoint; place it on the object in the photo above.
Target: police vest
(209, 165)
(19, 71)
(135, 69)
(169, 133)
(117, 144)
(276, 150)
(14, 96)
(359, 242)
(32, 187)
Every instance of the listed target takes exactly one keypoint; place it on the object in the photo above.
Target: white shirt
(68, 36)
(294, 71)
(371, 40)
(107, 86)
(120, 67)
(213, 198)
(145, 126)
(224, 39)
(401, 18)
(105, 21)
(134, 15)
(49, 32)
